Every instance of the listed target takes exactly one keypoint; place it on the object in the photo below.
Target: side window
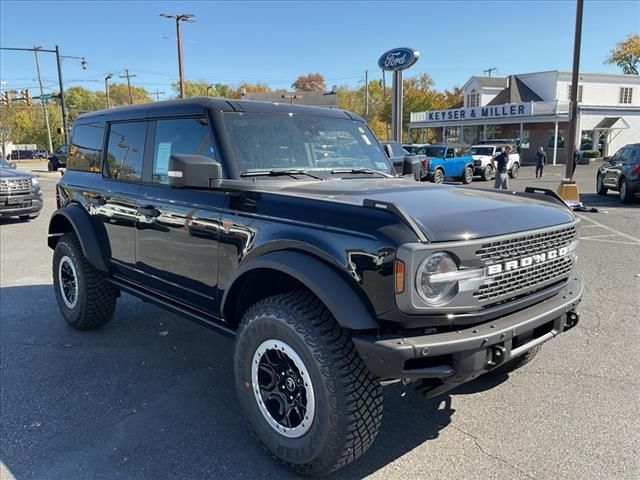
(125, 151)
(184, 135)
(450, 153)
(398, 151)
(86, 147)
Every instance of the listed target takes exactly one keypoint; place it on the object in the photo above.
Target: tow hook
(572, 320)
(496, 355)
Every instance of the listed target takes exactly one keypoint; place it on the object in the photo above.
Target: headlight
(35, 182)
(433, 288)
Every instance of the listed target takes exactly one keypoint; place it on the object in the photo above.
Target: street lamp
(210, 87)
(180, 17)
(106, 87)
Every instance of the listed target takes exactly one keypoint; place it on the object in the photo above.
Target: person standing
(541, 161)
(500, 164)
(576, 160)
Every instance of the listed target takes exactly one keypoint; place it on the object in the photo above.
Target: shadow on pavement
(151, 395)
(608, 202)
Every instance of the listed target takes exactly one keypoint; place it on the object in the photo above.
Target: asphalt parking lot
(151, 395)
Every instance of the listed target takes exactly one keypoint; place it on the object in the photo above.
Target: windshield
(272, 141)
(481, 151)
(437, 152)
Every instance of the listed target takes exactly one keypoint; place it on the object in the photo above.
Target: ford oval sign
(398, 59)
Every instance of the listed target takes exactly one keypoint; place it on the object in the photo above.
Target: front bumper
(29, 204)
(459, 356)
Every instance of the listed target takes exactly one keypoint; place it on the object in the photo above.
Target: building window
(524, 141)
(579, 93)
(561, 135)
(494, 131)
(625, 94)
(451, 134)
(473, 99)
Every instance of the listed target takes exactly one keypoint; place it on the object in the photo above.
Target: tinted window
(125, 151)
(86, 146)
(437, 152)
(482, 151)
(185, 135)
(397, 150)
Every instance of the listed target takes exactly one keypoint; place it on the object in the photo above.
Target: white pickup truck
(482, 155)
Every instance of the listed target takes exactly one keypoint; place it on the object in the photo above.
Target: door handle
(148, 211)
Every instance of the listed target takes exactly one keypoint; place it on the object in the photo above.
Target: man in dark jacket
(541, 161)
(576, 160)
(500, 164)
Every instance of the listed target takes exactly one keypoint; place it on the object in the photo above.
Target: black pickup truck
(286, 228)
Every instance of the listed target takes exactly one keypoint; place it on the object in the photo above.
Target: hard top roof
(198, 105)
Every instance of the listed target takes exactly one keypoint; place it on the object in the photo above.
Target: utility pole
(489, 70)
(573, 119)
(128, 76)
(106, 88)
(366, 95)
(157, 93)
(180, 17)
(43, 102)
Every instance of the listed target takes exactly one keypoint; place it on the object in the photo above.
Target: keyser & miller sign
(398, 59)
(497, 111)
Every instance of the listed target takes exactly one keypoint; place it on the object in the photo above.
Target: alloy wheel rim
(469, 175)
(282, 388)
(438, 177)
(68, 281)
(599, 182)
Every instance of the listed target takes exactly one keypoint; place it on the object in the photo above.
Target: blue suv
(448, 161)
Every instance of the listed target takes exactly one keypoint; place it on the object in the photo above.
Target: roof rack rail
(393, 208)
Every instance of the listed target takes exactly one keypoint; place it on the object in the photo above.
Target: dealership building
(533, 108)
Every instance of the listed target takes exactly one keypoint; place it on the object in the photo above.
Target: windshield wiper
(278, 173)
(368, 171)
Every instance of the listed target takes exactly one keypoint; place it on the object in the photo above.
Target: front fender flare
(333, 290)
(88, 234)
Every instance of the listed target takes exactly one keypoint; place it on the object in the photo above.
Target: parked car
(22, 155)
(514, 142)
(20, 194)
(621, 173)
(58, 158)
(404, 162)
(42, 153)
(334, 276)
(482, 155)
(448, 160)
(412, 148)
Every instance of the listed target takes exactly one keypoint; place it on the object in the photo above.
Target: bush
(591, 154)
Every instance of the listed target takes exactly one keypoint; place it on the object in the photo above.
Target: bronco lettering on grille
(527, 261)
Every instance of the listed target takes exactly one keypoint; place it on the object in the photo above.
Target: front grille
(528, 279)
(18, 186)
(477, 163)
(514, 248)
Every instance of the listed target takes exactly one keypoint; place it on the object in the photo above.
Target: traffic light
(26, 96)
(6, 99)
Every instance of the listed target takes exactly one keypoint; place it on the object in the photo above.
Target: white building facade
(533, 109)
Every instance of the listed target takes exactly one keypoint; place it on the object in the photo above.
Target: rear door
(178, 228)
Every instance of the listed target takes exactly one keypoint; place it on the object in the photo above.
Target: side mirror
(607, 159)
(193, 171)
(412, 166)
(387, 149)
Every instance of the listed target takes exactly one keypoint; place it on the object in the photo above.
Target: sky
(274, 42)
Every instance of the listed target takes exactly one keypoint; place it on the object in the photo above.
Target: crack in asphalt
(476, 442)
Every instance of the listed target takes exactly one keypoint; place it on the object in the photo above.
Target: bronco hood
(444, 212)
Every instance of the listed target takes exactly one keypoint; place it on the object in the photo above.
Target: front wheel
(487, 173)
(515, 169)
(468, 175)
(600, 188)
(438, 176)
(304, 390)
(85, 298)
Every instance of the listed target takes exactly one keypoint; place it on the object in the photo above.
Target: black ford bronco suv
(287, 228)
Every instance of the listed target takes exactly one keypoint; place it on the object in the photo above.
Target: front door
(178, 228)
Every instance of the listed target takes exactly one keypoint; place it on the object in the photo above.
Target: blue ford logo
(398, 59)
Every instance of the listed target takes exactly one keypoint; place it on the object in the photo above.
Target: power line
(128, 76)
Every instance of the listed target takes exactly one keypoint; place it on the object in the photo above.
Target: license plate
(14, 200)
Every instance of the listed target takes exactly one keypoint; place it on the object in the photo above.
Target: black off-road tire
(600, 188)
(348, 398)
(487, 173)
(467, 176)
(96, 297)
(624, 193)
(516, 363)
(50, 166)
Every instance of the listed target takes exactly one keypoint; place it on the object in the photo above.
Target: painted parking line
(635, 240)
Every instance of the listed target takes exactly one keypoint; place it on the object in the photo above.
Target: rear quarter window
(86, 147)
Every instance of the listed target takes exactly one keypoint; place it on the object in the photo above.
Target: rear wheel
(625, 194)
(515, 169)
(487, 173)
(50, 166)
(303, 387)
(438, 176)
(600, 188)
(468, 175)
(85, 298)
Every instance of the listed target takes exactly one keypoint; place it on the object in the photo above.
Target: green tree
(312, 82)
(626, 55)
(119, 94)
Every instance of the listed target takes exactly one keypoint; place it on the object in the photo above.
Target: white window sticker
(162, 158)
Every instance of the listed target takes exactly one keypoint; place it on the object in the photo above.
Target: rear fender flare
(88, 232)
